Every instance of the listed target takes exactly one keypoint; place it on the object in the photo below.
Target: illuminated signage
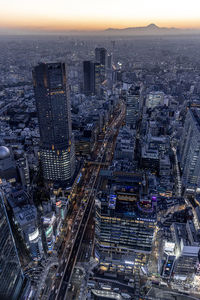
(62, 214)
(154, 198)
(112, 201)
(46, 220)
(79, 178)
(49, 220)
(34, 235)
(49, 231)
(146, 220)
(58, 204)
(129, 262)
(169, 246)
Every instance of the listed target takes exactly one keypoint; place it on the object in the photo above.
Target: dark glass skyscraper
(11, 276)
(101, 56)
(97, 78)
(132, 107)
(54, 115)
(88, 77)
(92, 77)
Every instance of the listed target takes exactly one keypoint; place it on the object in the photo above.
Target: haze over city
(99, 150)
(52, 16)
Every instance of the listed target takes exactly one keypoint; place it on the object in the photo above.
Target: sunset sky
(97, 14)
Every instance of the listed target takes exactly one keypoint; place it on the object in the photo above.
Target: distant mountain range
(151, 29)
(148, 27)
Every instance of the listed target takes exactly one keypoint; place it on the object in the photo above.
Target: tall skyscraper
(109, 61)
(101, 56)
(88, 75)
(54, 115)
(97, 78)
(11, 276)
(92, 77)
(190, 150)
(132, 107)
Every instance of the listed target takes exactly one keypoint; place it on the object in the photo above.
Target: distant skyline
(51, 15)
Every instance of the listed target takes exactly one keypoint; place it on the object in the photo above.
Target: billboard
(34, 235)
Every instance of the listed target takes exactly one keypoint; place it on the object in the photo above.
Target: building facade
(11, 275)
(92, 77)
(124, 230)
(26, 220)
(87, 77)
(187, 249)
(190, 150)
(101, 56)
(7, 165)
(23, 168)
(155, 99)
(57, 151)
(132, 107)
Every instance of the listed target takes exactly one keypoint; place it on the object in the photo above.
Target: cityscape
(100, 164)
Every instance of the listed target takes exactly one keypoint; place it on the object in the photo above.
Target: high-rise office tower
(54, 115)
(124, 229)
(190, 150)
(109, 61)
(87, 77)
(113, 45)
(92, 78)
(132, 107)
(11, 276)
(101, 56)
(97, 78)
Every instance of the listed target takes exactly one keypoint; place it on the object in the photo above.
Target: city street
(75, 225)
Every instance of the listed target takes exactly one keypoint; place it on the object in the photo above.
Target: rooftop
(4, 152)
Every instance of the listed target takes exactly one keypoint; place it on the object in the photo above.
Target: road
(74, 252)
(60, 288)
(62, 245)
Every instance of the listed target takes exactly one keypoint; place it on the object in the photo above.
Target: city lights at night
(99, 150)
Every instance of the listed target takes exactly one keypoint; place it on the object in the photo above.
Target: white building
(155, 99)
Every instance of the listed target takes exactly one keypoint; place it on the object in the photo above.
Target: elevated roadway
(59, 292)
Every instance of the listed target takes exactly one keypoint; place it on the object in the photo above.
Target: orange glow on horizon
(60, 15)
(90, 25)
